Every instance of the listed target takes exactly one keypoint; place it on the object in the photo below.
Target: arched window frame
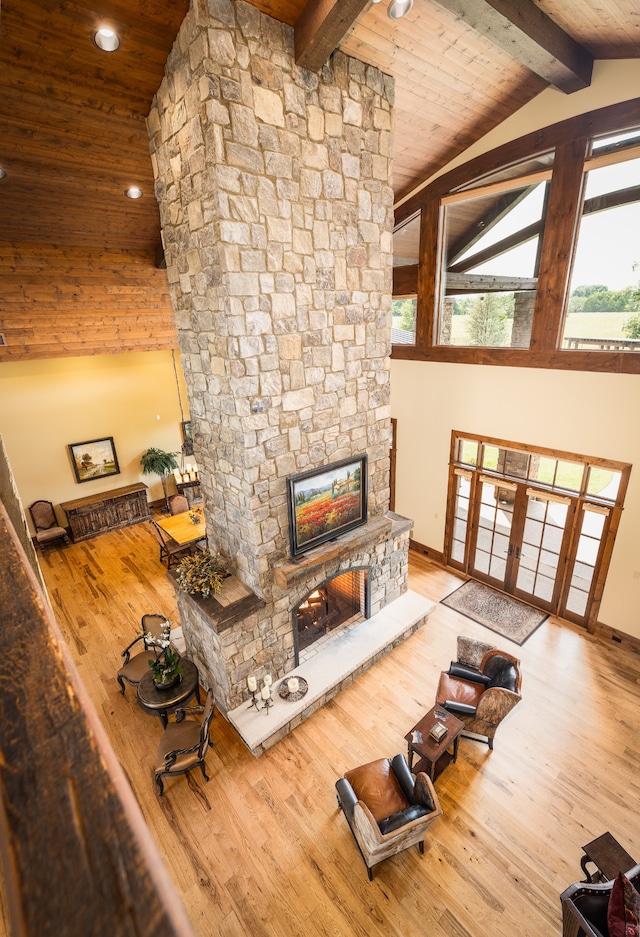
(570, 141)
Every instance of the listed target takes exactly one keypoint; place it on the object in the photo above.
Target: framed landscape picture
(326, 502)
(95, 458)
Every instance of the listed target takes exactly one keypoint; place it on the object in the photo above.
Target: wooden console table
(107, 510)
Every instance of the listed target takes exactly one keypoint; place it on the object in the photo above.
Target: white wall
(588, 413)
(45, 405)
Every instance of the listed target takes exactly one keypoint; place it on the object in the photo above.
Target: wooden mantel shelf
(234, 603)
(300, 568)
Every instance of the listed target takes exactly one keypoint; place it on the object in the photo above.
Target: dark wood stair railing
(77, 857)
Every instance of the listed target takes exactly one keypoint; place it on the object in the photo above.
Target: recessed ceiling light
(133, 192)
(398, 8)
(106, 39)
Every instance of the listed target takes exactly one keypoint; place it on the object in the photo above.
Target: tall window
(604, 298)
(528, 256)
(490, 267)
(406, 254)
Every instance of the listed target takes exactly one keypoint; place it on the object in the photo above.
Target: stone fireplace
(342, 600)
(277, 210)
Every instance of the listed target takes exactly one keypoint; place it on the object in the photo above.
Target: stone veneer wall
(277, 211)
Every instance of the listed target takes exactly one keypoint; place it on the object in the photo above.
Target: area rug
(509, 617)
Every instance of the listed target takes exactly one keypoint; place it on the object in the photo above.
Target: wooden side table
(434, 756)
(608, 856)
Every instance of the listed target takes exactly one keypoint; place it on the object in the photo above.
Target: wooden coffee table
(434, 756)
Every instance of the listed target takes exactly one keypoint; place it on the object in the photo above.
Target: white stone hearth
(353, 651)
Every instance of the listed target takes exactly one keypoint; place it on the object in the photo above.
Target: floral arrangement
(166, 665)
(195, 517)
(202, 572)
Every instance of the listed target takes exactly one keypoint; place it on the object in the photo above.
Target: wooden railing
(77, 857)
(603, 344)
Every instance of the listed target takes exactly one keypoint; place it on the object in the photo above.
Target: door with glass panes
(507, 526)
(519, 539)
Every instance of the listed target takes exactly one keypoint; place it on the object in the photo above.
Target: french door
(520, 539)
(536, 523)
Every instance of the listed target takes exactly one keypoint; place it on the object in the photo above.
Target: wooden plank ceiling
(72, 118)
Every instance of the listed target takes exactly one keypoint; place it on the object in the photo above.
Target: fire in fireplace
(339, 601)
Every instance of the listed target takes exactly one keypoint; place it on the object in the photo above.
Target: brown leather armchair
(481, 698)
(386, 809)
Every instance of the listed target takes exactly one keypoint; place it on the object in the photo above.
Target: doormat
(509, 617)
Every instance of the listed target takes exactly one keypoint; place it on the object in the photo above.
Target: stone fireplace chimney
(276, 206)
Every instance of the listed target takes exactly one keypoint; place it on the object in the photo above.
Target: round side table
(162, 702)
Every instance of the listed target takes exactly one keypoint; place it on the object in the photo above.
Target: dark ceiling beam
(529, 35)
(321, 27)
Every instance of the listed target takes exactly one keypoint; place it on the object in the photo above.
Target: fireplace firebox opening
(337, 602)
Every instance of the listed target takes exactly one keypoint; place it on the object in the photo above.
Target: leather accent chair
(481, 697)
(386, 809)
(48, 530)
(585, 906)
(134, 668)
(184, 743)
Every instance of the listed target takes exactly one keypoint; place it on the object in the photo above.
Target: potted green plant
(159, 462)
(166, 668)
(165, 665)
(201, 573)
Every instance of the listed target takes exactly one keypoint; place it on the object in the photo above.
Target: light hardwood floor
(262, 849)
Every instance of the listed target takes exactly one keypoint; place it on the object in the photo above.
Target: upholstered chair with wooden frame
(48, 530)
(481, 696)
(184, 743)
(585, 906)
(386, 809)
(170, 552)
(178, 504)
(134, 668)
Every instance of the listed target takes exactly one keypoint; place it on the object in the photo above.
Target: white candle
(265, 692)
(252, 683)
(177, 475)
(267, 679)
(292, 684)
